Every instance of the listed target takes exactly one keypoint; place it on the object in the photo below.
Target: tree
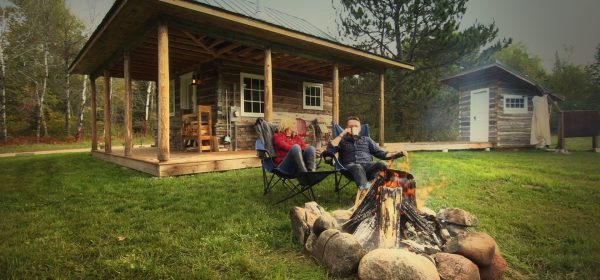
(42, 38)
(594, 68)
(576, 83)
(425, 33)
(69, 41)
(518, 57)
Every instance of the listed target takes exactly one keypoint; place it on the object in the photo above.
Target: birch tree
(3, 28)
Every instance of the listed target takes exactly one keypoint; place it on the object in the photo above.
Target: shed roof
(498, 70)
(223, 29)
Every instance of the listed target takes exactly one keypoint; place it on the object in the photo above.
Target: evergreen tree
(425, 33)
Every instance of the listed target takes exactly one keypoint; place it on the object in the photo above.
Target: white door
(480, 115)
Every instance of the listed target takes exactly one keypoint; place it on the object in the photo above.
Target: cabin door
(480, 115)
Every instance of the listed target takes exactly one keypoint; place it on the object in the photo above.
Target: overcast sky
(544, 26)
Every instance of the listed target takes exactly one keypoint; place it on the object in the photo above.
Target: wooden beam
(381, 110)
(163, 92)
(268, 86)
(246, 51)
(227, 49)
(128, 100)
(216, 43)
(336, 94)
(93, 119)
(107, 117)
(197, 41)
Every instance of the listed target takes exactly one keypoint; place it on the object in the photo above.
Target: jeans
(297, 160)
(363, 173)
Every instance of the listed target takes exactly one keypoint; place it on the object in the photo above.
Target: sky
(545, 27)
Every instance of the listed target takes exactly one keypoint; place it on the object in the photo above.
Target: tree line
(40, 100)
(40, 39)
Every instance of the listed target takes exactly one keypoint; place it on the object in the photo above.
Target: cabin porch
(181, 162)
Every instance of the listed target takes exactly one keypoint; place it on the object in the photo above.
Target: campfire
(388, 237)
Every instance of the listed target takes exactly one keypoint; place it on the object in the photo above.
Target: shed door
(480, 115)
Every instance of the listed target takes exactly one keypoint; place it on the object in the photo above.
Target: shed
(218, 57)
(495, 104)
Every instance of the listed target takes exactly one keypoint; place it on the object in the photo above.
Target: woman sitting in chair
(293, 155)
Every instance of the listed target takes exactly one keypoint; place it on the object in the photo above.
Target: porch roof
(200, 32)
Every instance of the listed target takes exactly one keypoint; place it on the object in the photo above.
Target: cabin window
(253, 95)
(188, 92)
(515, 104)
(313, 96)
(172, 98)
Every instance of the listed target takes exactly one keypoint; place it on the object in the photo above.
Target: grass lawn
(73, 216)
(65, 146)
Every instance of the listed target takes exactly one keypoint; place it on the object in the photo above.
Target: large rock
(457, 216)
(338, 252)
(476, 246)
(319, 247)
(341, 216)
(455, 267)
(427, 212)
(398, 264)
(311, 242)
(496, 269)
(323, 223)
(300, 229)
(313, 212)
(342, 255)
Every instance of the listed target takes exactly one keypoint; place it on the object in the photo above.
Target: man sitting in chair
(293, 155)
(355, 153)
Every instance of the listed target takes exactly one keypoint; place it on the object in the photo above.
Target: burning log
(389, 213)
(387, 216)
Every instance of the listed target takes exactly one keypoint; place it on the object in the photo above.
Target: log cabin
(224, 62)
(495, 104)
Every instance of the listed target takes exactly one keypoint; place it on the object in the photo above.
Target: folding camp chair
(300, 183)
(333, 160)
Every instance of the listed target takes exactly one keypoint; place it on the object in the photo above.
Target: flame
(424, 191)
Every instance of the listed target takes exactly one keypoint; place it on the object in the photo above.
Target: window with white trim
(515, 104)
(187, 91)
(253, 95)
(312, 96)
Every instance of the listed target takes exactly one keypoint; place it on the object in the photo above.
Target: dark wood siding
(221, 77)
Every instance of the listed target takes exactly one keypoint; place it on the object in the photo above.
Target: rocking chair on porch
(196, 129)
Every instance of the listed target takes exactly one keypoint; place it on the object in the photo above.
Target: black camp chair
(295, 184)
(333, 160)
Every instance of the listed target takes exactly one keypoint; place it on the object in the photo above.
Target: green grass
(62, 215)
(66, 146)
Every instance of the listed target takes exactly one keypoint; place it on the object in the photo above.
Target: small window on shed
(515, 104)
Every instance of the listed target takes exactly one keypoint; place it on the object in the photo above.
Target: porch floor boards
(181, 162)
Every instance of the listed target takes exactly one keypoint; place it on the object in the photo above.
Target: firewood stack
(387, 237)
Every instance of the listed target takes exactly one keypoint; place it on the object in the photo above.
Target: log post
(163, 92)
(93, 119)
(595, 144)
(336, 94)
(389, 211)
(107, 115)
(268, 86)
(128, 104)
(381, 109)
(561, 132)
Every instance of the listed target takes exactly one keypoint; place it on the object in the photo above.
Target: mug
(355, 132)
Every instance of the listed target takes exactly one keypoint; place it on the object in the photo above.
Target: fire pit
(388, 237)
